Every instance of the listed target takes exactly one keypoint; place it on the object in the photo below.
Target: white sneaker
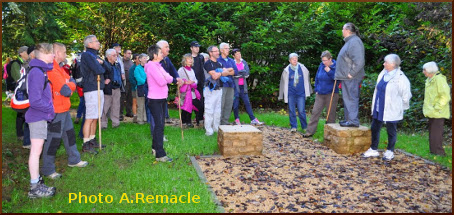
(208, 133)
(388, 155)
(80, 164)
(164, 139)
(54, 176)
(371, 153)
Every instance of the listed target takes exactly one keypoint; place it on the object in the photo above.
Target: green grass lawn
(127, 166)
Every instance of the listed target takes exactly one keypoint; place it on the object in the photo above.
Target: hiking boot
(40, 190)
(388, 155)
(371, 153)
(87, 147)
(95, 144)
(27, 146)
(256, 122)
(168, 120)
(53, 176)
(237, 122)
(80, 164)
(164, 159)
(121, 118)
(134, 119)
(77, 121)
(189, 125)
(293, 130)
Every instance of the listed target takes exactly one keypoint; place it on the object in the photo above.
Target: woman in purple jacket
(41, 112)
(324, 83)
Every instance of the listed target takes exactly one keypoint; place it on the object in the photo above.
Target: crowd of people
(210, 85)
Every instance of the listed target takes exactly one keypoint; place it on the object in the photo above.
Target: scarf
(389, 75)
(297, 78)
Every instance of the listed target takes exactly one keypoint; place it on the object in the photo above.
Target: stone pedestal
(240, 140)
(347, 140)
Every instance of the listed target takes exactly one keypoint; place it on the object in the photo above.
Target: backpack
(116, 82)
(10, 83)
(20, 102)
(76, 71)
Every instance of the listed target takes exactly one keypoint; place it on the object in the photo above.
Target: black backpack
(10, 83)
(76, 71)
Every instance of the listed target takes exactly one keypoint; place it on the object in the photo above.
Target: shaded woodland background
(418, 32)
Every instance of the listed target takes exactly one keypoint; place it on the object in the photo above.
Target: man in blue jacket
(168, 67)
(91, 68)
(228, 88)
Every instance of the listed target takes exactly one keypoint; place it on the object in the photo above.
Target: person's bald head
(60, 52)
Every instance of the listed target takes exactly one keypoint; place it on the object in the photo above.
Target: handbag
(142, 90)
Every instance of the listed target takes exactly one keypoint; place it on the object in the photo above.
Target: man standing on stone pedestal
(350, 71)
(200, 76)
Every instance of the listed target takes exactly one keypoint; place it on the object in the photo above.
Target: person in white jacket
(294, 88)
(391, 97)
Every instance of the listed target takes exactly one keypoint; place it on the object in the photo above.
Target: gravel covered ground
(297, 175)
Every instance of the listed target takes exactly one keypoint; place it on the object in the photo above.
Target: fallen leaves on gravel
(297, 175)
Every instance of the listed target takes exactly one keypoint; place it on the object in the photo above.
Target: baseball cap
(195, 43)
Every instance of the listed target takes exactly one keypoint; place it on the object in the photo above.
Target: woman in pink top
(157, 80)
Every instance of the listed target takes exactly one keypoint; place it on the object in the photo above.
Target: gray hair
(88, 40)
(142, 55)
(222, 45)
(209, 49)
(430, 67)
(161, 42)
(393, 59)
(290, 56)
(110, 52)
(205, 55)
(352, 28)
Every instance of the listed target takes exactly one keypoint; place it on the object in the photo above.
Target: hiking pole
(331, 100)
(99, 110)
(179, 111)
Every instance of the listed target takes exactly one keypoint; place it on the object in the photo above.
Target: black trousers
(201, 104)
(436, 136)
(391, 129)
(157, 108)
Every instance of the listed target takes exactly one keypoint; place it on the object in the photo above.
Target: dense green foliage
(267, 32)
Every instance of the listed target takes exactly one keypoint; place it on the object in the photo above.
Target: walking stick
(99, 110)
(331, 100)
(179, 111)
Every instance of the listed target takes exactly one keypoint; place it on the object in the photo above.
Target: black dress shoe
(307, 135)
(348, 124)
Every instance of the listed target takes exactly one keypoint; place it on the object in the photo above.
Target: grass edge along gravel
(134, 149)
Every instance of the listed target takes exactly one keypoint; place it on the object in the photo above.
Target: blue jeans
(299, 102)
(247, 104)
(81, 108)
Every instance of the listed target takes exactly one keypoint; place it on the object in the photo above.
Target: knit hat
(30, 49)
